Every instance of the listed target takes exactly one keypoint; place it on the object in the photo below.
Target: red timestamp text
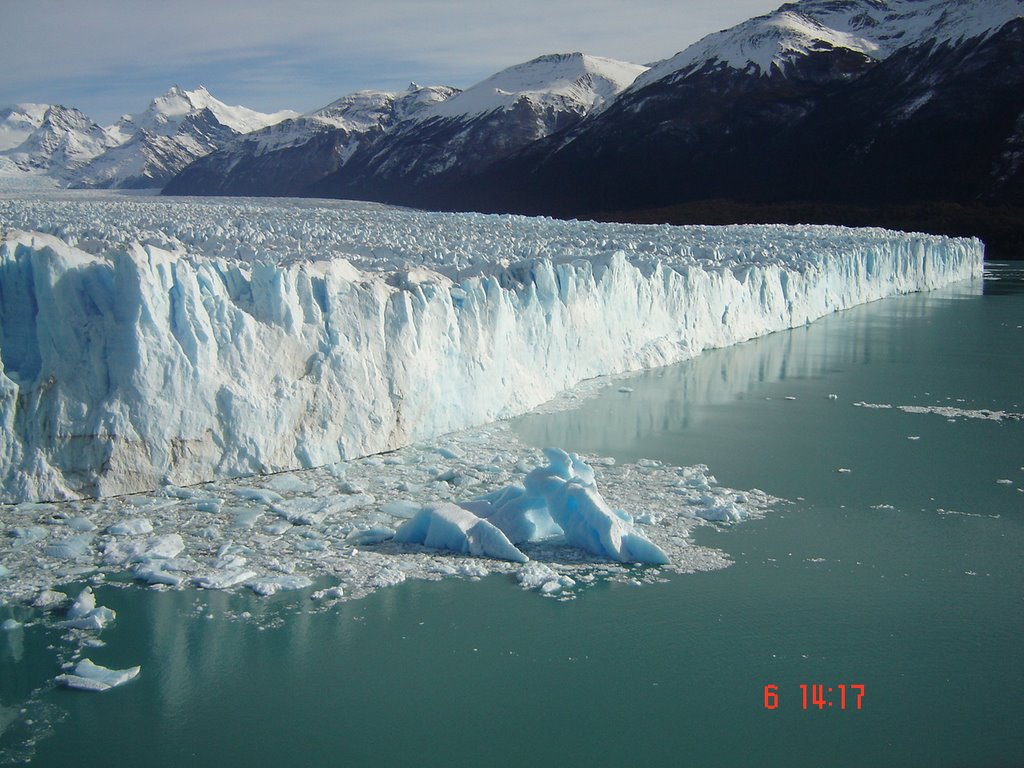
(841, 696)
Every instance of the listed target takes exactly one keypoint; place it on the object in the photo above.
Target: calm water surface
(902, 574)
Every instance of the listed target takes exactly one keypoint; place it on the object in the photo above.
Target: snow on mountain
(573, 80)
(472, 130)
(871, 28)
(152, 341)
(285, 159)
(366, 110)
(177, 128)
(64, 140)
(167, 113)
(143, 150)
(18, 122)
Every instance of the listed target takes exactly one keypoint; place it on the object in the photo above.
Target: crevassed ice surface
(149, 342)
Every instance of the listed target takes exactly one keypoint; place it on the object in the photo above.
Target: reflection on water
(679, 398)
(1004, 278)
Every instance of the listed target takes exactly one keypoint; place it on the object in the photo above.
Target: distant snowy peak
(364, 110)
(558, 80)
(64, 138)
(166, 113)
(871, 28)
(18, 122)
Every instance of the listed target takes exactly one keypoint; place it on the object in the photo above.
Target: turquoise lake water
(896, 565)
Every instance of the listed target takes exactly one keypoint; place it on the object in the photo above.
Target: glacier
(147, 343)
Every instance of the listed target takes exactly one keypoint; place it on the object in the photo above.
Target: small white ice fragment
(132, 527)
(401, 508)
(85, 614)
(224, 580)
(329, 593)
(370, 536)
(49, 599)
(93, 677)
(10, 624)
(275, 584)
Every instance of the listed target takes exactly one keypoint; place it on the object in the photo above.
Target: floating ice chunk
(328, 594)
(135, 526)
(244, 518)
(388, 576)
(373, 535)
(93, 677)
(539, 576)
(10, 625)
(135, 550)
(313, 511)
(4, 571)
(85, 614)
(718, 510)
(70, 548)
(228, 560)
(258, 494)
(224, 580)
(401, 508)
(27, 533)
(209, 505)
(49, 599)
(84, 603)
(447, 526)
(567, 491)
(275, 584)
(81, 524)
(287, 482)
(277, 527)
(160, 571)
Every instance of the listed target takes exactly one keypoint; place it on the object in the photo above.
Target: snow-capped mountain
(61, 139)
(18, 122)
(873, 29)
(177, 128)
(143, 150)
(573, 82)
(845, 102)
(417, 162)
(381, 145)
(167, 113)
(288, 157)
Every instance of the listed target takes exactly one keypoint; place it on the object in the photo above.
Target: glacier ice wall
(226, 340)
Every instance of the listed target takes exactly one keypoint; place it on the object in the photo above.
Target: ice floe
(88, 676)
(226, 534)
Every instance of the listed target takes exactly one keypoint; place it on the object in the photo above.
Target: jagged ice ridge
(151, 342)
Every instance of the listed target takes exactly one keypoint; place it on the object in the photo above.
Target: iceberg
(92, 677)
(447, 526)
(146, 344)
(85, 614)
(562, 499)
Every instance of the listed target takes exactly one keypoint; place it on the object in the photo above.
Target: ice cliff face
(151, 342)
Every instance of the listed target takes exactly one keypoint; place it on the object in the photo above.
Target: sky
(110, 57)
